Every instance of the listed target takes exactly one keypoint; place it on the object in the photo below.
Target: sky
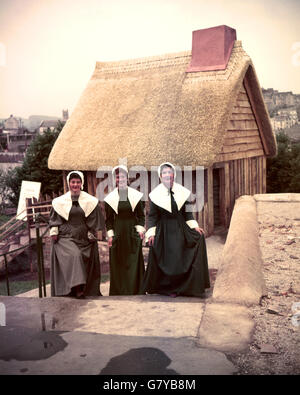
(49, 48)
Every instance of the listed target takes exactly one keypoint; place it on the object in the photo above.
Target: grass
(4, 218)
(19, 287)
(104, 277)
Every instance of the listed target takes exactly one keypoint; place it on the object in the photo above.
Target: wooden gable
(242, 137)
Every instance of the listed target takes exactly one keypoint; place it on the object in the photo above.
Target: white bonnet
(166, 163)
(79, 173)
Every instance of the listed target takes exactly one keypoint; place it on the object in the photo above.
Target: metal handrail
(17, 249)
(23, 246)
(13, 218)
(5, 263)
(17, 224)
(14, 226)
(40, 255)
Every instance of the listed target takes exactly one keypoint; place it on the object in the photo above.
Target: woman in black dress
(177, 257)
(125, 220)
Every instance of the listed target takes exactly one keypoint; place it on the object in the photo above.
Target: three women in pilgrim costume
(74, 219)
(177, 256)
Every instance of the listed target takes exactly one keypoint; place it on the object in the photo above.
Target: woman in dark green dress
(74, 219)
(125, 222)
(177, 257)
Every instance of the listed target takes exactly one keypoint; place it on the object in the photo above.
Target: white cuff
(110, 233)
(54, 231)
(150, 232)
(192, 223)
(140, 229)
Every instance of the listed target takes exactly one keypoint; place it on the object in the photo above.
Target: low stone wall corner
(240, 279)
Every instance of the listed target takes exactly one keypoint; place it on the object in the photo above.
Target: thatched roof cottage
(196, 108)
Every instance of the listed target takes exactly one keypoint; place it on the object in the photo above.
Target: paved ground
(157, 335)
(137, 335)
(106, 336)
(148, 334)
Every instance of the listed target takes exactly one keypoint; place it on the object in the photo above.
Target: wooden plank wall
(242, 158)
(205, 217)
(242, 138)
(65, 173)
(237, 177)
(246, 177)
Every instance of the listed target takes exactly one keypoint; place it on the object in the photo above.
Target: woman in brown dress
(74, 219)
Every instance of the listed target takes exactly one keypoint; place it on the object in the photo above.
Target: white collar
(113, 198)
(161, 197)
(63, 204)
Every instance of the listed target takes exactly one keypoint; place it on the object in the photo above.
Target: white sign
(29, 189)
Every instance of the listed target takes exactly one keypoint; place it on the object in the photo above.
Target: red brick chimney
(211, 48)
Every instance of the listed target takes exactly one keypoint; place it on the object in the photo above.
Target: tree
(295, 166)
(4, 190)
(283, 171)
(278, 168)
(10, 188)
(35, 167)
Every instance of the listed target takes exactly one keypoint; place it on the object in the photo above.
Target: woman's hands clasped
(110, 239)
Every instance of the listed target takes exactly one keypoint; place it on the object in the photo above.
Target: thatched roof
(150, 110)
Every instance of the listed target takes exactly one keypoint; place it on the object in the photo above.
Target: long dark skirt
(126, 256)
(74, 262)
(177, 260)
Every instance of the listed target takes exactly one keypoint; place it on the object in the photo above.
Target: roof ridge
(153, 58)
(149, 62)
(147, 59)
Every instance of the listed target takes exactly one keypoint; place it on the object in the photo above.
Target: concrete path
(109, 335)
(138, 335)
(147, 334)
